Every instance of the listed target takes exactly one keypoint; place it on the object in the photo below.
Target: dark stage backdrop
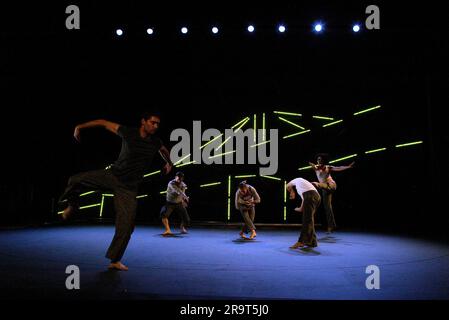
(53, 79)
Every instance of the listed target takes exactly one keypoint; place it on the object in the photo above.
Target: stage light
(281, 28)
(184, 30)
(408, 144)
(119, 32)
(356, 28)
(250, 28)
(150, 31)
(366, 110)
(210, 184)
(318, 27)
(214, 30)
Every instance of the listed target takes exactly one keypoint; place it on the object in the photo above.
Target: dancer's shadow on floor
(304, 252)
(329, 239)
(241, 241)
(173, 235)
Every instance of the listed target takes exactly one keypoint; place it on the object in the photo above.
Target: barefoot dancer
(327, 185)
(310, 201)
(139, 145)
(177, 201)
(246, 198)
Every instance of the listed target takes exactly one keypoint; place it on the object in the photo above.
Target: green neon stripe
(288, 113)
(263, 127)
(222, 154)
(86, 193)
(285, 213)
(255, 128)
(245, 176)
(108, 195)
(261, 143)
(223, 143)
(240, 127)
(240, 122)
(210, 184)
(152, 173)
(292, 123)
(186, 164)
(90, 206)
(332, 123)
(272, 178)
(322, 118)
(344, 158)
(285, 191)
(142, 196)
(375, 150)
(296, 134)
(408, 144)
(181, 160)
(366, 110)
(163, 192)
(210, 141)
(101, 207)
(304, 168)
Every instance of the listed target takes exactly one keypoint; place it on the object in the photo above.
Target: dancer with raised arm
(327, 185)
(139, 146)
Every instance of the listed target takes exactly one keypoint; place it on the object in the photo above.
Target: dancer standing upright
(139, 146)
(327, 185)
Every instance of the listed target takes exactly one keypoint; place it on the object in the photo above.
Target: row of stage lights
(317, 28)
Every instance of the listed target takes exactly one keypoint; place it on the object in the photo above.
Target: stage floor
(211, 263)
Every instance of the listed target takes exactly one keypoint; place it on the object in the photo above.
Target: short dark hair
(242, 184)
(323, 156)
(179, 174)
(148, 114)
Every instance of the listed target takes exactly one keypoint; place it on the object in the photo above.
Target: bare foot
(184, 231)
(298, 209)
(68, 212)
(253, 234)
(167, 233)
(298, 245)
(118, 266)
(242, 235)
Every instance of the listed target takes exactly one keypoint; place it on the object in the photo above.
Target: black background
(53, 78)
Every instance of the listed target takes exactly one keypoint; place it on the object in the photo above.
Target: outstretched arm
(313, 166)
(342, 168)
(108, 125)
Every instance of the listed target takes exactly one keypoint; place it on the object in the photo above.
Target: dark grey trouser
(125, 205)
(248, 215)
(312, 201)
(169, 207)
(328, 189)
